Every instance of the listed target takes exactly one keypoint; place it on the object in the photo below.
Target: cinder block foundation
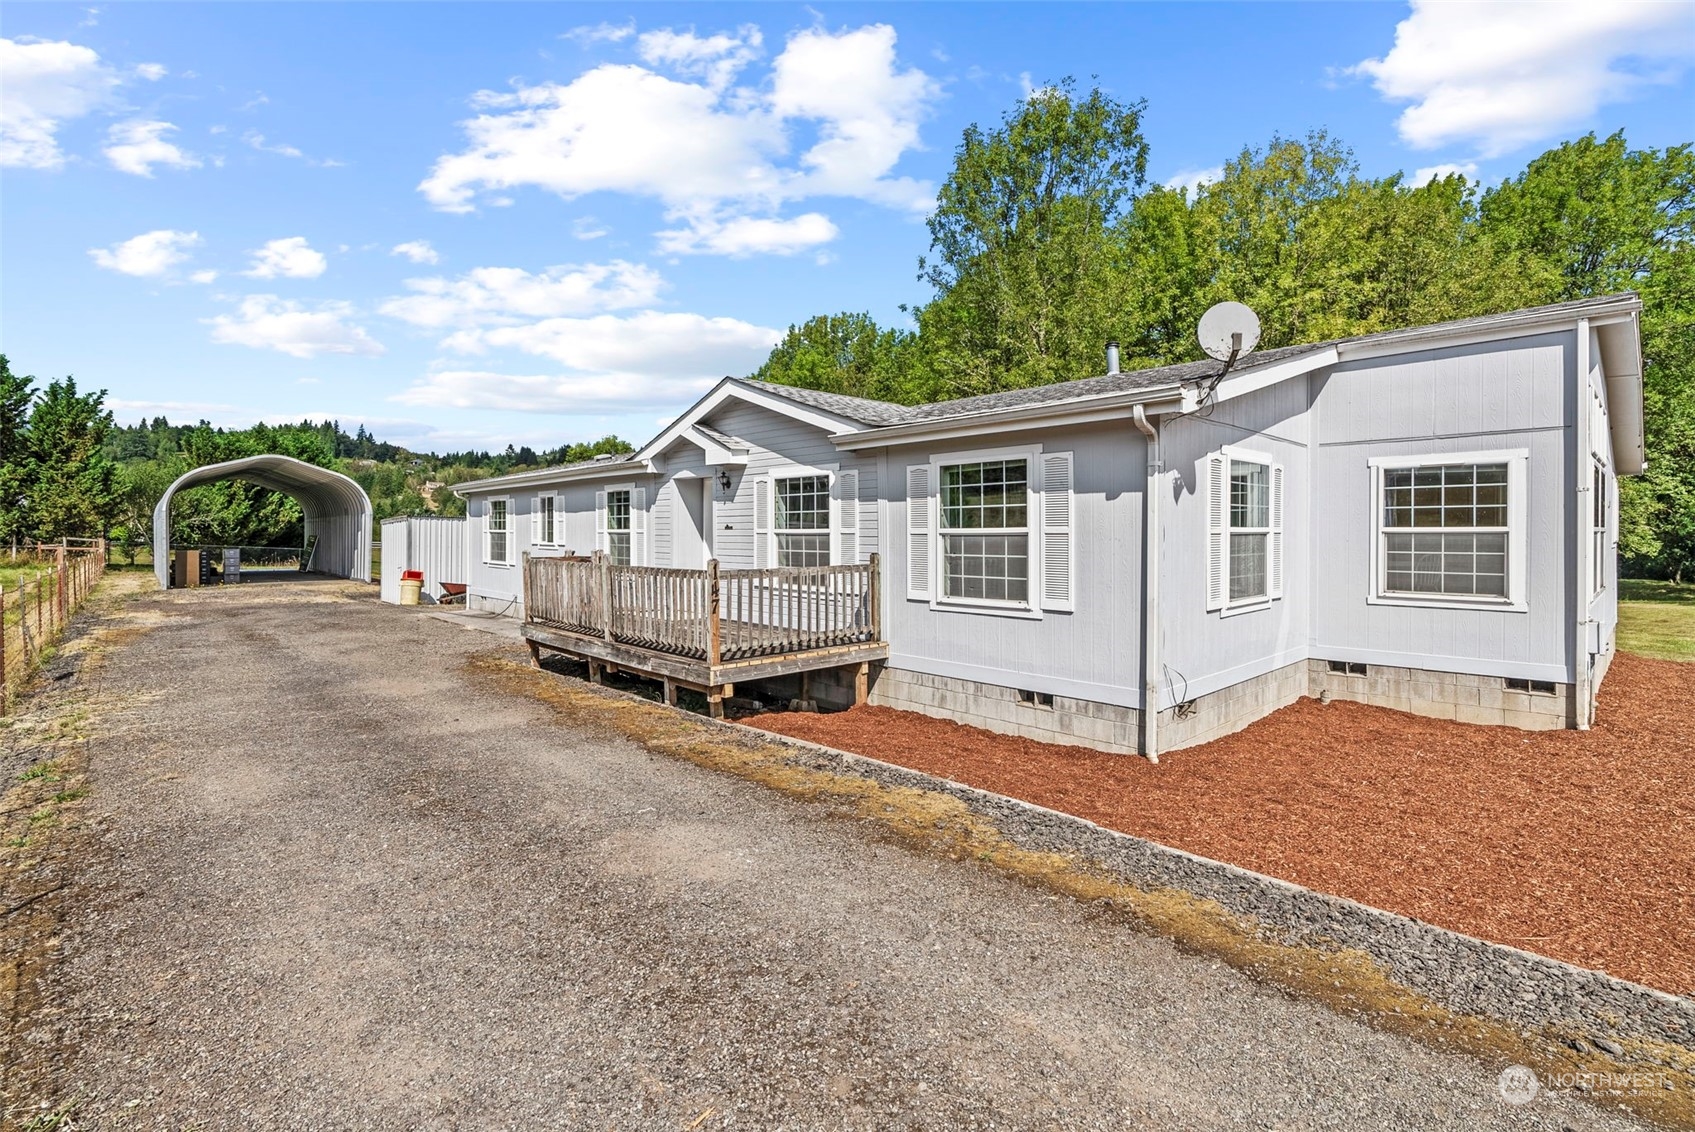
(1117, 729)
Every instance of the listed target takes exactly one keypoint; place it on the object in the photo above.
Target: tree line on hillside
(1047, 242)
(67, 469)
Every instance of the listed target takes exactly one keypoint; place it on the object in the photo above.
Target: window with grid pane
(618, 526)
(803, 520)
(1445, 530)
(1250, 529)
(497, 532)
(985, 520)
(1598, 532)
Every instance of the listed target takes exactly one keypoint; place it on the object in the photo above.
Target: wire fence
(34, 612)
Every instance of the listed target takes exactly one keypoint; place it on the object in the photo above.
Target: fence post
(603, 578)
(714, 626)
(876, 597)
(3, 686)
(59, 581)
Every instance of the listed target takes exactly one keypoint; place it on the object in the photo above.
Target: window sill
(506, 565)
(991, 608)
(1485, 605)
(1253, 606)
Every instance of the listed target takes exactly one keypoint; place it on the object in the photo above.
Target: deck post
(524, 581)
(670, 691)
(535, 654)
(603, 565)
(861, 683)
(714, 626)
(876, 596)
(715, 701)
(594, 672)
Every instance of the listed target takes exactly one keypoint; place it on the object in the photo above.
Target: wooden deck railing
(712, 615)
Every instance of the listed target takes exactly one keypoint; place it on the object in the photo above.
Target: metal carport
(337, 510)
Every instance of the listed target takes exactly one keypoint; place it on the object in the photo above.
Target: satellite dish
(1228, 329)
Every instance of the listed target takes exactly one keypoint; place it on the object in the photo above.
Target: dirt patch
(1576, 845)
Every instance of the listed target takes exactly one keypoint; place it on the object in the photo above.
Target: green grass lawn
(1657, 619)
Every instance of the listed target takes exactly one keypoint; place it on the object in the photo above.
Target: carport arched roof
(337, 510)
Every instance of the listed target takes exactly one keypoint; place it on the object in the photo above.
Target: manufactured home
(1424, 519)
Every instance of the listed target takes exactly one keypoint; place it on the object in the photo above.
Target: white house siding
(1203, 652)
(774, 441)
(1091, 653)
(1516, 394)
(499, 589)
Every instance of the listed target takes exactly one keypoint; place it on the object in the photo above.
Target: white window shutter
(845, 523)
(762, 557)
(600, 520)
(1218, 530)
(638, 526)
(535, 522)
(1274, 555)
(918, 538)
(1058, 505)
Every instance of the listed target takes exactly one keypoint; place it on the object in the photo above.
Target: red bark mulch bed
(1577, 845)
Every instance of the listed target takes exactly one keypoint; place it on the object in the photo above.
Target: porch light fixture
(724, 480)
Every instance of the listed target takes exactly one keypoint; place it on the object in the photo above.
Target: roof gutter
(550, 475)
(1103, 406)
(1601, 313)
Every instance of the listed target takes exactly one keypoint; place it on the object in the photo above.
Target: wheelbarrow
(452, 593)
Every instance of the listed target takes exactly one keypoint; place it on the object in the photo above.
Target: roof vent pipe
(1111, 358)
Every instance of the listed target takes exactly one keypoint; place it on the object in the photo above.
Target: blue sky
(468, 225)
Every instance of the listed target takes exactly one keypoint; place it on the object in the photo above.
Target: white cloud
(743, 236)
(551, 392)
(1430, 173)
(1499, 76)
(700, 147)
(418, 251)
(495, 296)
(1189, 181)
(43, 85)
(149, 254)
(601, 33)
(665, 344)
(715, 58)
(152, 72)
(588, 228)
(290, 257)
(258, 141)
(207, 276)
(266, 322)
(138, 145)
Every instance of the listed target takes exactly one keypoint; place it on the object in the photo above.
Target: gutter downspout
(1583, 671)
(1150, 585)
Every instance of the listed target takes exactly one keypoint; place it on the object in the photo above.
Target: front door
(693, 536)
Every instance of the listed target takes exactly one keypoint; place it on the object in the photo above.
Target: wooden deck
(705, 630)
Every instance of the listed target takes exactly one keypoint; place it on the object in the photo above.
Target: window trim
(1233, 453)
(1600, 480)
(1517, 461)
(1028, 609)
(603, 532)
(541, 523)
(795, 471)
(488, 510)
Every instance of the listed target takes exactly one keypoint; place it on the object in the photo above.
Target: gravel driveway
(348, 885)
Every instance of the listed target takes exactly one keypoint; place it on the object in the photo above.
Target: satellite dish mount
(1227, 332)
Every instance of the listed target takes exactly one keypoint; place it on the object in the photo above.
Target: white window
(1598, 525)
(1450, 529)
(621, 524)
(497, 533)
(802, 520)
(1244, 529)
(544, 520)
(985, 531)
(618, 530)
